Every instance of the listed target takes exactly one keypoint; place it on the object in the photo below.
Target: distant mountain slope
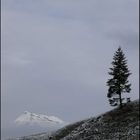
(40, 119)
(114, 125)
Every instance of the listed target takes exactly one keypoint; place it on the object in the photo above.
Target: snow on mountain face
(40, 119)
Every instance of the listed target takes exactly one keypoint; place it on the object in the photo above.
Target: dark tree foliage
(119, 83)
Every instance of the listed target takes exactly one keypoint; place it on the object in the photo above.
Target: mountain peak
(26, 112)
(33, 118)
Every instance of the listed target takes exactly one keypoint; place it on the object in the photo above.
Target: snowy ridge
(32, 118)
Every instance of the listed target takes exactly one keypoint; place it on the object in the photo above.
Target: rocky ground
(117, 124)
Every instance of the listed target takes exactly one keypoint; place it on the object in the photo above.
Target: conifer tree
(119, 83)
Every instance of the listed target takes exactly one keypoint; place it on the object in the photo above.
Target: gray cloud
(126, 38)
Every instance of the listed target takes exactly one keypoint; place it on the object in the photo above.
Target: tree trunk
(120, 98)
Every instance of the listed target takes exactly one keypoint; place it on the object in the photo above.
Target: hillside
(113, 125)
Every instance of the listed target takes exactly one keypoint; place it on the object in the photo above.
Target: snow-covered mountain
(39, 119)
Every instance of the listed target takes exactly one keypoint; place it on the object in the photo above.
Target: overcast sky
(56, 55)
